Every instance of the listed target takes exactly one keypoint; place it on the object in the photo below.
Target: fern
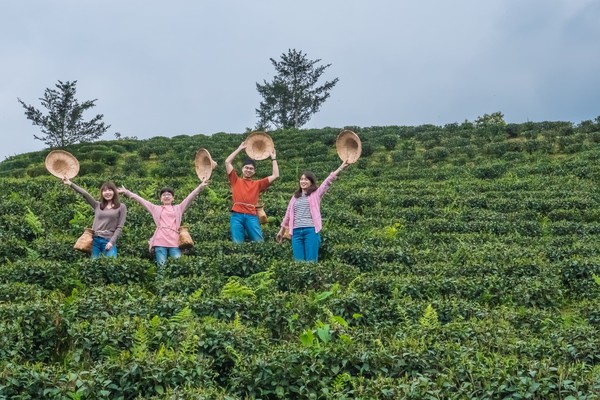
(233, 289)
(80, 217)
(189, 346)
(430, 318)
(140, 342)
(235, 356)
(340, 382)
(262, 281)
(596, 279)
(72, 297)
(195, 297)
(33, 222)
(237, 323)
(155, 323)
(182, 317)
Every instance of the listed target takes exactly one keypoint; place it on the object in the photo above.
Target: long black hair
(313, 184)
(115, 200)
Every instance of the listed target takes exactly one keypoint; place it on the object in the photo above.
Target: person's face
(108, 194)
(248, 171)
(167, 198)
(304, 182)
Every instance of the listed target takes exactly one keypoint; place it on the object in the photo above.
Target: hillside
(456, 262)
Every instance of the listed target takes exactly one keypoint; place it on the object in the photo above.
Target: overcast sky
(165, 68)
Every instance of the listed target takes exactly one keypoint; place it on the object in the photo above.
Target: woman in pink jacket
(303, 216)
(167, 218)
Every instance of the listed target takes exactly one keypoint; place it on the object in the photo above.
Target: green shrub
(436, 154)
(389, 142)
(577, 278)
(48, 275)
(122, 270)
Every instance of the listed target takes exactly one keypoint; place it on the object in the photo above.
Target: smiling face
(304, 183)
(108, 194)
(307, 183)
(248, 171)
(167, 198)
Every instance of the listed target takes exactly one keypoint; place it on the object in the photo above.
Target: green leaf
(307, 338)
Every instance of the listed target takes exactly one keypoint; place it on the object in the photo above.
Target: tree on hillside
(292, 97)
(64, 124)
(493, 119)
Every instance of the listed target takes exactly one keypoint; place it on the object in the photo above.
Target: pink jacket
(314, 201)
(155, 210)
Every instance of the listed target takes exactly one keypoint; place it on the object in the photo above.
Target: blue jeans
(305, 244)
(99, 248)
(160, 254)
(242, 224)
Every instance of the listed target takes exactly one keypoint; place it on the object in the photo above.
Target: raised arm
(88, 198)
(145, 203)
(325, 185)
(188, 200)
(342, 167)
(231, 157)
(275, 174)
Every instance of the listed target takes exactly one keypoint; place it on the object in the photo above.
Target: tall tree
(64, 124)
(292, 97)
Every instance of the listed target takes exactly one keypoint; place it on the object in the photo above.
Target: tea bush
(461, 262)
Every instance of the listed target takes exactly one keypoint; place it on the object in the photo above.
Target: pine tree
(291, 98)
(64, 124)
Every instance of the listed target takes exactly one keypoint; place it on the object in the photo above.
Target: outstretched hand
(121, 190)
(342, 167)
(204, 182)
(66, 180)
(243, 145)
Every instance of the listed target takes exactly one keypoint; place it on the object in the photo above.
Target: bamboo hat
(62, 164)
(259, 145)
(348, 146)
(204, 164)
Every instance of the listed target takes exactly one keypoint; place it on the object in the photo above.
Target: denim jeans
(99, 248)
(305, 244)
(161, 253)
(242, 224)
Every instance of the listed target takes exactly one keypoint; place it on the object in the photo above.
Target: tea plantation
(457, 262)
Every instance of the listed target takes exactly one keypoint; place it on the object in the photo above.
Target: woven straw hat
(259, 145)
(204, 164)
(348, 146)
(62, 164)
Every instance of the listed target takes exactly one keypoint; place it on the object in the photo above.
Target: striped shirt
(302, 216)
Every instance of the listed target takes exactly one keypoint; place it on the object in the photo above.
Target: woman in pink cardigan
(303, 216)
(167, 218)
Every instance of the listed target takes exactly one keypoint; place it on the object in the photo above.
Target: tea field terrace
(456, 262)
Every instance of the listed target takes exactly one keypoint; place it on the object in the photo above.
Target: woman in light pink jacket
(167, 218)
(303, 216)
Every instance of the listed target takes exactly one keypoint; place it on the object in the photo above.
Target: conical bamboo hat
(62, 164)
(348, 146)
(259, 145)
(204, 164)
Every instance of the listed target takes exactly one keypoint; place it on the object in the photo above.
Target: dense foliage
(457, 262)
